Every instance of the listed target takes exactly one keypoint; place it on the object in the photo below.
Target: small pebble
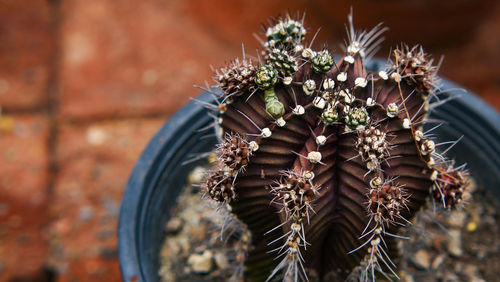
(436, 263)
(422, 259)
(221, 261)
(197, 175)
(471, 226)
(450, 277)
(174, 225)
(454, 243)
(201, 264)
(405, 276)
(457, 219)
(472, 273)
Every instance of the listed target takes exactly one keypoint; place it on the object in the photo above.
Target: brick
(474, 64)
(23, 195)
(414, 23)
(236, 21)
(472, 43)
(25, 50)
(123, 57)
(418, 22)
(126, 58)
(95, 162)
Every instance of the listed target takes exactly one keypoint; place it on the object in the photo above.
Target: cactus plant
(322, 161)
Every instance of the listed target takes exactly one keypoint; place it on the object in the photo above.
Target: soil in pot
(194, 248)
(459, 245)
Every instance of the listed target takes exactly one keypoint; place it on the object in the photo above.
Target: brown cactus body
(324, 161)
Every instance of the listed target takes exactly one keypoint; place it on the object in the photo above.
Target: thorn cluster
(219, 186)
(237, 77)
(285, 64)
(234, 152)
(372, 144)
(295, 194)
(285, 33)
(415, 67)
(386, 201)
(448, 187)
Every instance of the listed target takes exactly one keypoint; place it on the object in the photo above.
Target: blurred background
(84, 84)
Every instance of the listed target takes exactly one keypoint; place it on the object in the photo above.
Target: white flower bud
(392, 110)
(266, 132)
(319, 102)
(280, 122)
(299, 110)
(328, 84)
(314, 157)
(360, 82)
(287, 80)
(253, 146)
(342, 76)
(383, 75)
(349, 59)
(309, 86)
(321, 140)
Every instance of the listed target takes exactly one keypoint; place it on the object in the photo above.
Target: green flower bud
(275, 108)
(285, 33)
(330, 115)
(322, 61)
(285, 64)
(266, 77)
(356, 117)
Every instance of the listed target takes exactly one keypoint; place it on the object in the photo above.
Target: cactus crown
(323, 161)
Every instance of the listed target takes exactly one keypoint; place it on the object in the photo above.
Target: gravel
(201, 264)
(462, 245)
(194, 248)
(458, 245)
